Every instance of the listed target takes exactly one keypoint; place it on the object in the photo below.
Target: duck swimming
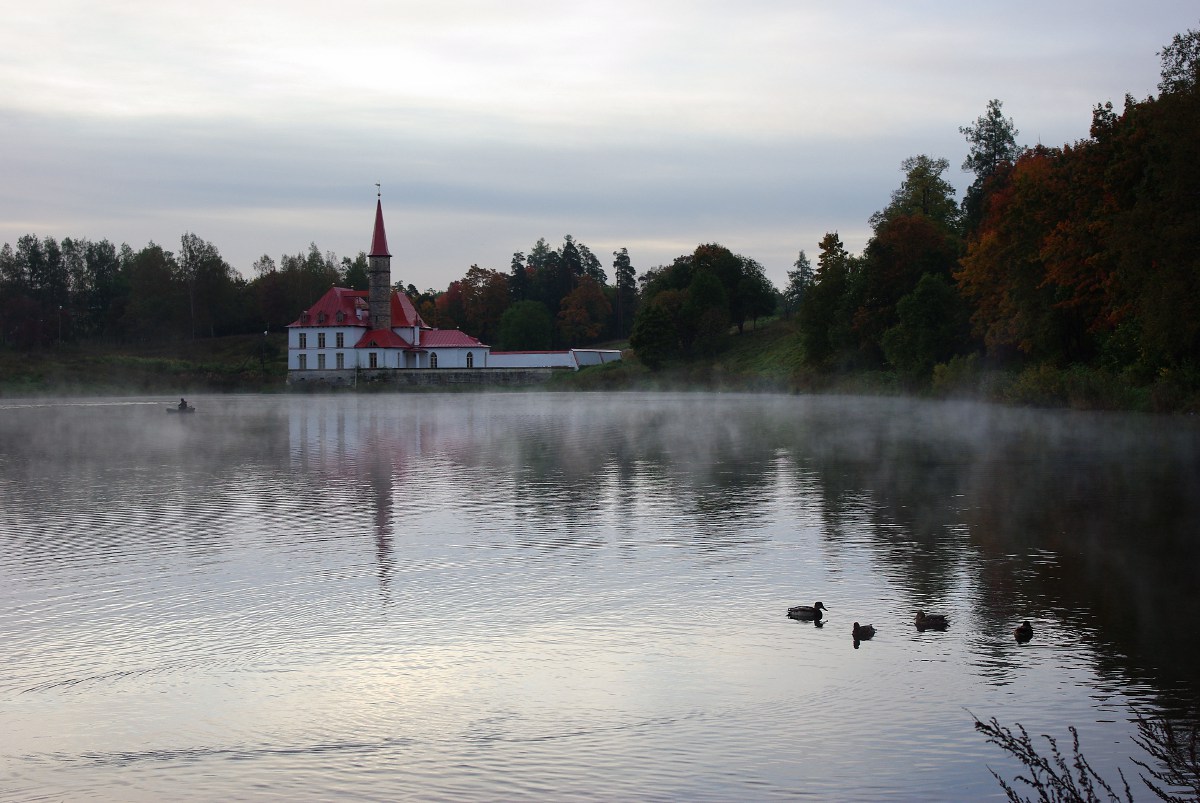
(934, 621)
(807, 612)
(1023, 632)
(862, 632)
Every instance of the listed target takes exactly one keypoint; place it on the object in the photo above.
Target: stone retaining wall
(420, 377)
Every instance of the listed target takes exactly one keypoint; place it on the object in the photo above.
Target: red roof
(336, 300)
(341, 306)
(382, 339)
(349, 302)
(379, 236)
(403, 311)
(447, 338)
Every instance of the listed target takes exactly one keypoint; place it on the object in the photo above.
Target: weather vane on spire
(378, 192)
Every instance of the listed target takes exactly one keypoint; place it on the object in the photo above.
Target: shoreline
(763, 360)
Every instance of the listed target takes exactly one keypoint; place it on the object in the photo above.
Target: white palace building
(347, 334)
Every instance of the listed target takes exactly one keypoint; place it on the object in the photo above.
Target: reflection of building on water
(347, 332)
(379, 473)
(374, 450)
(366, 452)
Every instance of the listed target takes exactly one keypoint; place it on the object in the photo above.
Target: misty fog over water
(578, 596)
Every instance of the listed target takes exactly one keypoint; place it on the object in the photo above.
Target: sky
(656, 125)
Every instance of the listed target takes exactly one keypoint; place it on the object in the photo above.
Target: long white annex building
(377, 330)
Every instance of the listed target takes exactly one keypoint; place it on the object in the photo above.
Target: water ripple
(469, 597)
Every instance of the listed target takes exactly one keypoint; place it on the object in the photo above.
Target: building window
(341, 360)
(433, 359)
(470, 359)
(340, 338)
(341, 316)
(320, 362)
(302, 361)
(303, 340)
(320, 340)
(373, 359)
(321, 317)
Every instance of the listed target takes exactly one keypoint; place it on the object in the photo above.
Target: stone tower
(379, 268)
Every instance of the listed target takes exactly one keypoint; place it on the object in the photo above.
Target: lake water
(580, 597)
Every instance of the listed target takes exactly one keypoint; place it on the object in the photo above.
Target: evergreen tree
(923, 192)
(993, 141)
(626, 297)
(800, 278)
(826, 311)
(356, 272)
(518, 278)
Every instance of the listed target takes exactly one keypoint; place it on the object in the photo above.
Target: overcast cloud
(761, 124)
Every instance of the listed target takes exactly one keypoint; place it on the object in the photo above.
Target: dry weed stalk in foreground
(1055, 780)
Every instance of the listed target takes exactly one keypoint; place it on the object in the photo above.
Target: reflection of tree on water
(1022, 515)
(894, 482)
(560, 474)
(130, 451)
(1087, 521)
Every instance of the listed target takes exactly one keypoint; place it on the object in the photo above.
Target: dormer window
(320, 317)
(341, 316)
(304, 317)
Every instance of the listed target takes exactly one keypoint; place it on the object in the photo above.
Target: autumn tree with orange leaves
(1087, 254)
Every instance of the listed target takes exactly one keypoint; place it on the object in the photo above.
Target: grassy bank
(765, 358)
(769, 358)
(248, 363)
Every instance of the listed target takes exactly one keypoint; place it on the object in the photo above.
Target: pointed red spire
(379, 238)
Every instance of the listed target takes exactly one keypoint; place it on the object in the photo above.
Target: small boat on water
(188, 409)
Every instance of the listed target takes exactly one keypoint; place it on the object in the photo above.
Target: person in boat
(182, 404)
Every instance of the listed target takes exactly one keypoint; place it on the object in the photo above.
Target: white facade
(532, 359)
(330, 348)
(346, 331)
(306, 353)
(573, 358)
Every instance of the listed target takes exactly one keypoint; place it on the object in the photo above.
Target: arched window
(433, 359)
(470, 360)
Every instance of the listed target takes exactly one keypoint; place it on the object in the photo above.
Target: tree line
(63, 291)
(1079, 255)
(52, 291)
(76, 289)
